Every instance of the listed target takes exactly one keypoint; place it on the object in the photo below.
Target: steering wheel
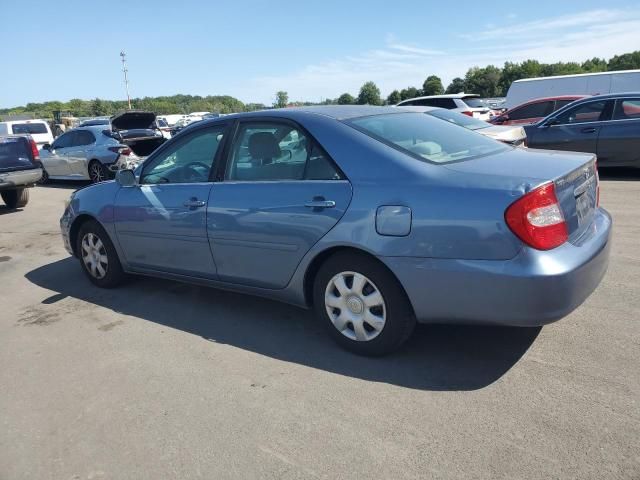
(195, 175)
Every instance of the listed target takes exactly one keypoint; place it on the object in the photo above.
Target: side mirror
(501, 119)
(126, 178)
(46, 146)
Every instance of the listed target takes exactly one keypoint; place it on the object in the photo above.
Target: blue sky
(314, 50)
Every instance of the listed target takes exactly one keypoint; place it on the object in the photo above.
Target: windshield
(459, 119)
(30, 128)
(426, 138)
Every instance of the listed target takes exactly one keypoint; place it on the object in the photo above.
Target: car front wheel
(98, 256)
(363, 306)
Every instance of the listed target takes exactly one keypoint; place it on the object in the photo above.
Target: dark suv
(19, 169)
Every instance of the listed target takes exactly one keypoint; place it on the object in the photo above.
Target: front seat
(263, 148)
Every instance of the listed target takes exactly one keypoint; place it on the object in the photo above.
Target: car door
(281, 194)
(77, 153)
(575, 129)
(619, 139)
(54, 160)
(161, 222)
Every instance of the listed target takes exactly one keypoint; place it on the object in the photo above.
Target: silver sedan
(86, 153)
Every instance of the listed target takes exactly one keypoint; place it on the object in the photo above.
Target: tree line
(489, 81)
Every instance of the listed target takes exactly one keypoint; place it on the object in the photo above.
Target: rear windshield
(12, 150)
(476, 102)
(459, 119)
(427, 138)
(29, 128)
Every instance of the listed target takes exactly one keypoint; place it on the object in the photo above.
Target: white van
(522, 91)
(38, 129)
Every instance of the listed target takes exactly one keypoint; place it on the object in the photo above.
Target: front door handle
(317, 203)
(193, 202)
(588, 130)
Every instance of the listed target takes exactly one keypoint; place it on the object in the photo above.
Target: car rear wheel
(17, 198)
(98, 256)
(97, 172)
(45, 176)
(363, 306)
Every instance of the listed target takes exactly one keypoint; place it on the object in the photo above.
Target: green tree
(432, 86)
(282, 99)
(394, 97)
(346, 99)
(627, 61)
(409, 92)
(483, 81)
(369, 94)
(457, 85)
(594, 65)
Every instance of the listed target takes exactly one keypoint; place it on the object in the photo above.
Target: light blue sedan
(374, 217)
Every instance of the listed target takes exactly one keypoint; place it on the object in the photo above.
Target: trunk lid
(573, 174)
(15, 154)
(133, 119)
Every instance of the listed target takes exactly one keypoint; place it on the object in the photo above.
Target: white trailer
(583, 84)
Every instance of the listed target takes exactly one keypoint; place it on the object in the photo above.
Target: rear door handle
(588, 130)
(194, 203)
(320, 204)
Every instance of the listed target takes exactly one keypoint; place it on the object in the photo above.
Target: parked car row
(96, 151)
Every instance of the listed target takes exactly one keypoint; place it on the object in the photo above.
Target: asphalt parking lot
(164, 380)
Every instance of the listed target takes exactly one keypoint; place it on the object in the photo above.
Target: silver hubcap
(355, 306)
(96, 173)
(94, 256)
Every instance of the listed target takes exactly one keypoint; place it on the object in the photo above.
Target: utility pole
(126, 79)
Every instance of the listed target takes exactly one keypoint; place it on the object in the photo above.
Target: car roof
(608, 96)
(337, 112)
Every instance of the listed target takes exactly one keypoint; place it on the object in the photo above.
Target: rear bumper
(20, 178)
(534, 288)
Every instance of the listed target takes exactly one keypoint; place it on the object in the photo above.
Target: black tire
(45, 176)
(97, 172)
(113, 273)
(400, 319)
(17, 198)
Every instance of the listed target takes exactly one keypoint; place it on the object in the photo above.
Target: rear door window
(534, 110)
(270, 151)
(83, 137)
(627, 109)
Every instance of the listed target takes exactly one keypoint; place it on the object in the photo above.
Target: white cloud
(396, 65)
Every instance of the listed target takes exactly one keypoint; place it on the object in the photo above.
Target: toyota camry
(375, 217)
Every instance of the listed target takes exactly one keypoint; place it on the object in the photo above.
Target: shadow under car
(437, 357)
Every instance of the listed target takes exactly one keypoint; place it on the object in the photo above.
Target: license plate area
(583, 208)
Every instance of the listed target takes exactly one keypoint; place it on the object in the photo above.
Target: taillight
(468, 113)
(537, 220)
(34, 150)
(121, 150)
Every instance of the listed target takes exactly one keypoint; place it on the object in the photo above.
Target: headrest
(264, 145)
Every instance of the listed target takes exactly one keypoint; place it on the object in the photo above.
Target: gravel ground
(164, 380)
